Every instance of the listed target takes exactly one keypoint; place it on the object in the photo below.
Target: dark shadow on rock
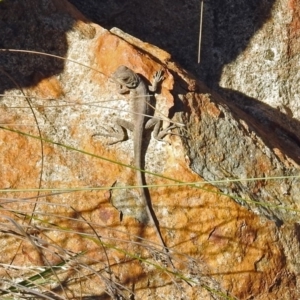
(174, 26)
(36, 26)
(229, 25)
(278, 130)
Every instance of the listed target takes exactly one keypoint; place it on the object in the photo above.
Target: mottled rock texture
(238, 239)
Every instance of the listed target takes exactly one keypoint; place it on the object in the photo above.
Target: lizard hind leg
(118, 132)
(158, 132)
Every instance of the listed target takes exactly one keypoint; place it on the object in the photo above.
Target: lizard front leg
(158, 76)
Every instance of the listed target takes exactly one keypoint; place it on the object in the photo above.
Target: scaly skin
(128, 80)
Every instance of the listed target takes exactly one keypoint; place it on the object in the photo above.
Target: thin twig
(200, 31)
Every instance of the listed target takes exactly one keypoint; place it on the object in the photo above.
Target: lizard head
(127, 77)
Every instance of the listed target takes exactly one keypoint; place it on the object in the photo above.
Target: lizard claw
(158, 76)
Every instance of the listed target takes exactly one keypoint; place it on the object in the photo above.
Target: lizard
(129, 81)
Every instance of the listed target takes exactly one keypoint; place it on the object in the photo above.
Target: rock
(221, 248)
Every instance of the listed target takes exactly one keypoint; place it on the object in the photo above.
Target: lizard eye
(131, 81)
